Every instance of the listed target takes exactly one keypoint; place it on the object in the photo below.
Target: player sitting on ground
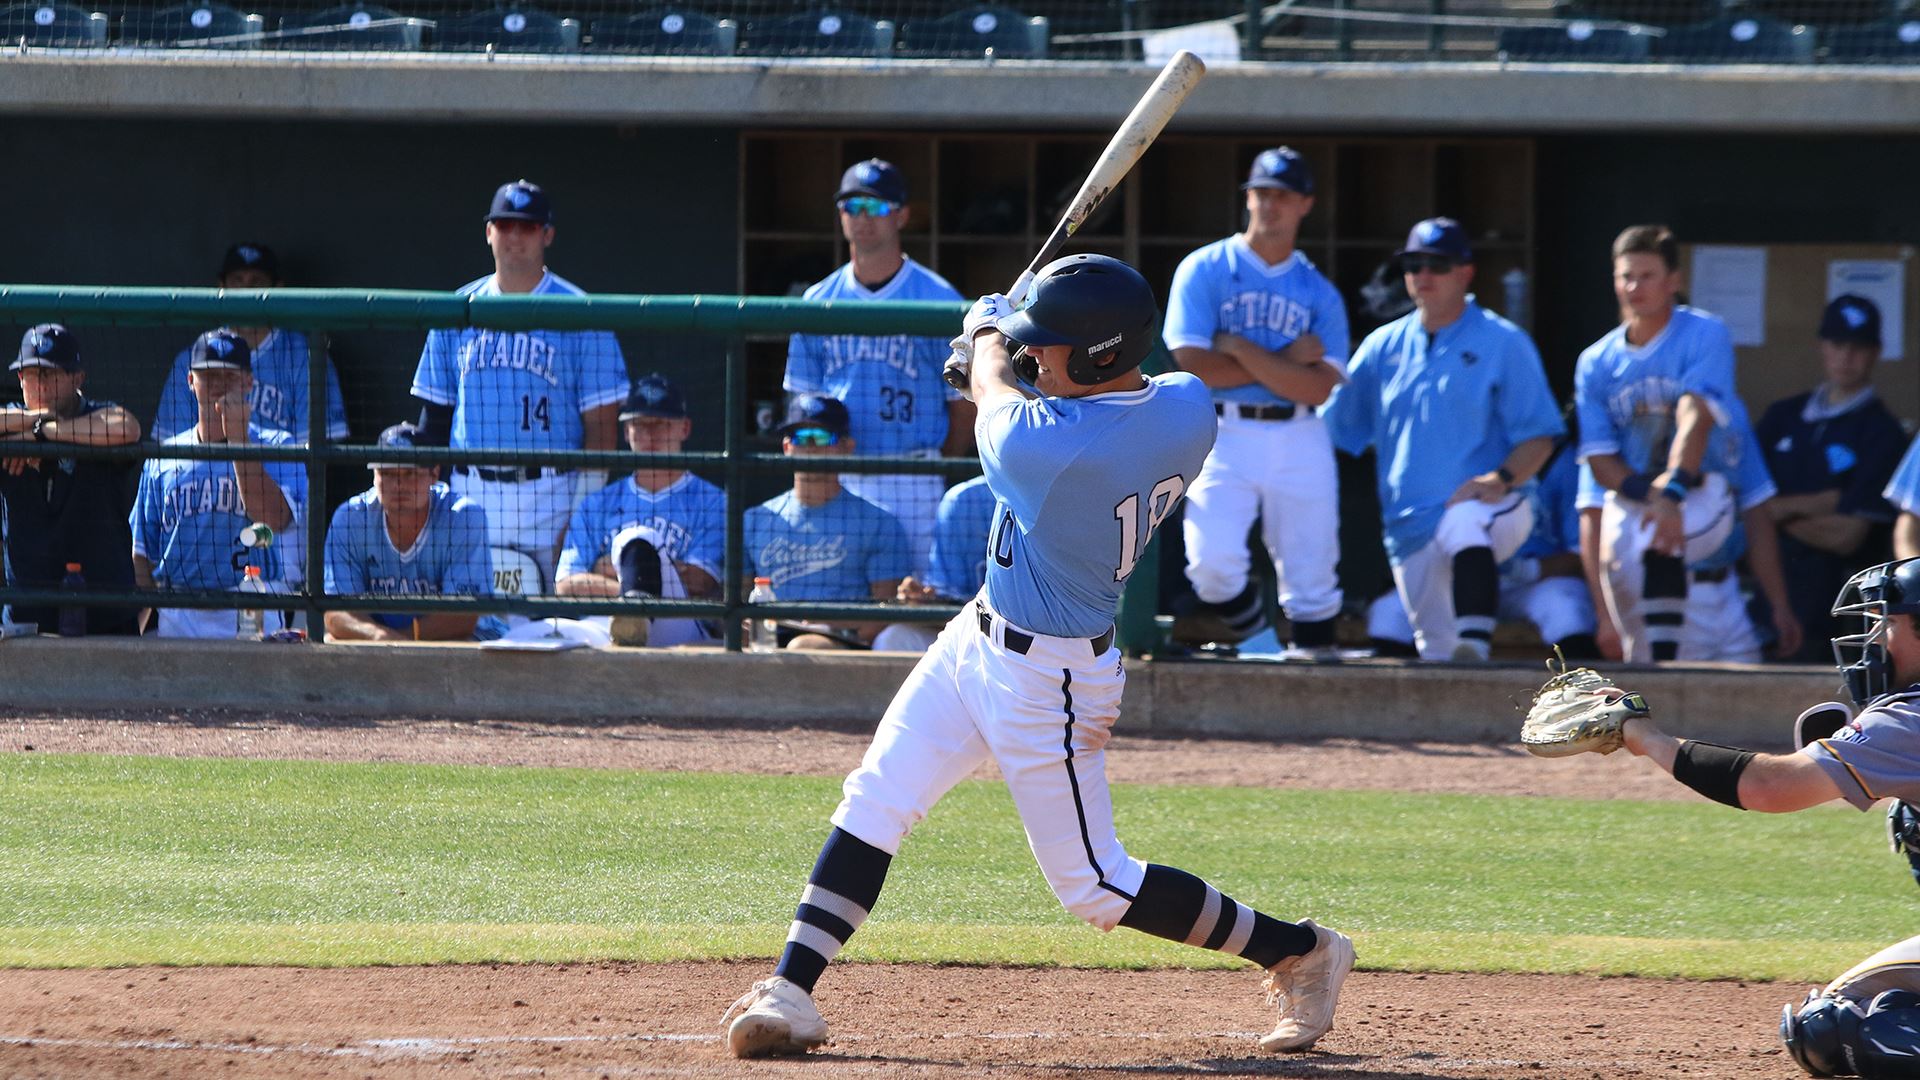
(1866, 1022)
(1085, 472)
(407, 536)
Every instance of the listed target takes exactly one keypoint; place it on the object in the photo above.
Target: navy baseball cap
(816, 410)
(1441, 236)
(1280, 167)
(251, 256)
(654, 395)
(401, 436)
(48, 345)
(221, 350)
(876, 178)
(1851, 320)
(522, 200)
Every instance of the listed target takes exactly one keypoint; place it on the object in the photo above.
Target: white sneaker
(776, 1017)
(1306, 989)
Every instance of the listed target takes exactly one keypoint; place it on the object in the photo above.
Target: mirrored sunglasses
(814, 436)
(867, 206)
(1437, 264)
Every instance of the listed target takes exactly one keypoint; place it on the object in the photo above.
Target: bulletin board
(1776, 292)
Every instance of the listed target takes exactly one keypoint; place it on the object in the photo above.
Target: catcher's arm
(1770, 783)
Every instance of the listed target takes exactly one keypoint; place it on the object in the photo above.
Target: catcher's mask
(1095, 303)
(1869, 600)
(1819, 1032)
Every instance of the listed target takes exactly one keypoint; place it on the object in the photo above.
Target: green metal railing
(731, 317)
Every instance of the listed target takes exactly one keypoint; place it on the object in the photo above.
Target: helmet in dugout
(1098, 305)
(1868, 600)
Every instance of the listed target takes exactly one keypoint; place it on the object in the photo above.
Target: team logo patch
(519, 197)
(1429, 232)
(219, 346)
(248, 254)
(1855, 317)
(37, 343)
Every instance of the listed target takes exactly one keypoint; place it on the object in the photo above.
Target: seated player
(957, 564)
(820, 541)
(407, 536)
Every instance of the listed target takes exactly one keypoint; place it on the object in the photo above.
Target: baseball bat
(1137, 132)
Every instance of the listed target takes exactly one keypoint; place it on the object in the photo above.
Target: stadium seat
(1579, 40)
(1737, 39)
(973, 31)
(668, 32)
(1892, 41)
(512, 29)
(53, 24)
(351, 26)
(819, 33)
(198, 25)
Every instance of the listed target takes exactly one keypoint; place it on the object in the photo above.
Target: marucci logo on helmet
(1107, 344)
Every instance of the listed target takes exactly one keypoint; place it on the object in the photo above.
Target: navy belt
(510, 476)
(1020, 643)
(1284, 411)
(1710, 577)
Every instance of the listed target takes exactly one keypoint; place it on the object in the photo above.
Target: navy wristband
(1505, 475)
(1712, 770)
(1673, 490)
(1688, 480)
(1636, 487)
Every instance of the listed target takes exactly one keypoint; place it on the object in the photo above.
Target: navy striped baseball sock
(1175, 905)
(1664, 599)
(845, 882)
(1476, 598)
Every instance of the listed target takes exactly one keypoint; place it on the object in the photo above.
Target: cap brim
(37, 361)
(536, 218)
(1270, 182)
(217, 365)
(653, 414)
(788, 429)
(1454, 255)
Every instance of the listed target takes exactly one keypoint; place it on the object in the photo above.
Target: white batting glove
(958, 370)
(984, 313)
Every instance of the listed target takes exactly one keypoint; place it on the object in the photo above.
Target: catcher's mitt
(1577, 711)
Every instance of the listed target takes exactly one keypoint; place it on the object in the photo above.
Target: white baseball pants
(1282, 472)
(1424, 579)
(1626, 528)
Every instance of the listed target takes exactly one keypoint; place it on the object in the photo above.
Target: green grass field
(119, 860)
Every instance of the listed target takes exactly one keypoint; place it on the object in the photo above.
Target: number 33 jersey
(520, 389)
(1082, 485)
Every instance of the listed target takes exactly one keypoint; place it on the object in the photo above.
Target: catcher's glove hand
(1577, 711)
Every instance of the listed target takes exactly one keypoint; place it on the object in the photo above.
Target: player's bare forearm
(1218, 370)
(600, 427)
(992, 373)
(111, 426)
(1763, 555)
(358, 626)
(143, 571)
(1609, 470)
(445, 626)
(697, 582)
(1590, 562)
(18, 421)
(594, 585)
(1906, 536)
(1563, 564)
(1298, 373)
(1840, 534)
(1693, 423)
(960, 418)
(1524, 461)
(1785, 508)
(260, 498)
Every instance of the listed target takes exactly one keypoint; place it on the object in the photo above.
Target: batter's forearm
(992, 371)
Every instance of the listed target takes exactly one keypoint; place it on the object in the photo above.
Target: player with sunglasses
(1454, 399)
(896, 402)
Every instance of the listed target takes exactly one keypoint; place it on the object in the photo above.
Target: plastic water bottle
(762, 635)
(73, 617)
(249, 623)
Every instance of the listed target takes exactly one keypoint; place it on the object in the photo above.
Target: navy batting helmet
(1872, 596)
(1095, 303)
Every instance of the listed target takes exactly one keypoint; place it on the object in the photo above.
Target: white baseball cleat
(775, 1017)
(1306, 988)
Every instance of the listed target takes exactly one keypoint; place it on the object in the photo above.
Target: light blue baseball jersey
(689, 515)
(1903, 491)
(187, 518)
(278, 397)
(958, 564)
(520, 389)
(1626, 394)
(1225, 288)
(1082, 484)
(838, 551)
(1440, 408)
(1556, 518)
(448, 558)
(891, 386)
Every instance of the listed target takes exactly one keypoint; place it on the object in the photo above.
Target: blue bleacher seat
(1737, 39)
(351, 26)
(1578, 41)
(1891, 41)
(975, 30)
(52, 24)
(199, 25)
(510, 29)
(819, 33)
(668, 32)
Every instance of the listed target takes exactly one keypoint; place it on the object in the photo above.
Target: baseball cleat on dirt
(1306, 988)
(775, 1017)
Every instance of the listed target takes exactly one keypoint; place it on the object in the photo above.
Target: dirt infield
(618, 1020)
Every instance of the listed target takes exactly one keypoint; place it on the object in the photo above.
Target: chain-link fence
(1602, 31)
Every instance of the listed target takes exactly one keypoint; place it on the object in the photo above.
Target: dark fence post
(316, 534)
(736, 443)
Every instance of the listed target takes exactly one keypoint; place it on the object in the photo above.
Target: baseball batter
(1867, 1022)
(1454, 399)
(1267, 333)
(1027, 674)
(891, 386)
(522, 390)
(1649, 395)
